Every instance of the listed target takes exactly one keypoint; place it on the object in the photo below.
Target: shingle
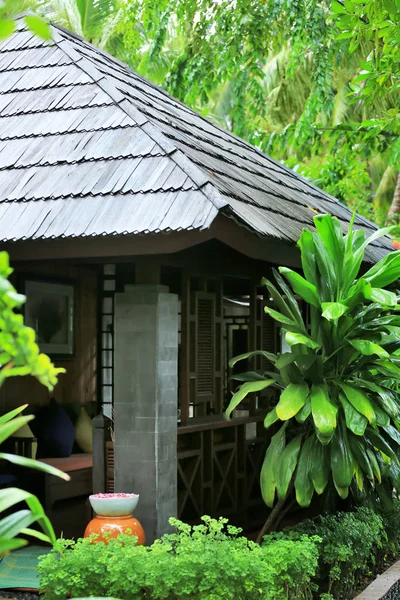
(88, 147)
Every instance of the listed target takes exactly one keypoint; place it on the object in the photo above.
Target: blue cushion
(54, 431)
(7, 479)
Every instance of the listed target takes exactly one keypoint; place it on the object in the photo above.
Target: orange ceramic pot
(113, 526)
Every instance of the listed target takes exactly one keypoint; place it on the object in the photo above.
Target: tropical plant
(19, 522)
(20, 355)
(8, 10)
(339, 383)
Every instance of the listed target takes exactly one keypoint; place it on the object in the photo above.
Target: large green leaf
(320, 468)
(12, 496)
(7, 545)
(306, 245)
(342, 460)
(382, 417)
(323, 411)
(386, 271)
(11, 525)
(374, 465)
(356, 422)
(22, 461)
(360, 454)
(378, 442)
(367, 348)
(270, 466)
(393, 433)
(268, 355)
(280, 303)
(360, 401)
(331, 232)
(8, 428)
(247, 376)
(301, 286)
(383, 297)
(394, 474)
(245, 389)
(302, 481)
(383, 396)
(290, 299)
(292, 399)
(304, 413)
(299, 338)
(10, 415)
(271, 418)
(287, 466)
(333, 310)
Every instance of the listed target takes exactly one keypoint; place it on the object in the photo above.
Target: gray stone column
(145, 402)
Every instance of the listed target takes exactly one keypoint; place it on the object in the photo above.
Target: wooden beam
(147, 270)
(113, 249)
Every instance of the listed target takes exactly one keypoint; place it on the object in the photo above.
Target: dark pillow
(54, 431)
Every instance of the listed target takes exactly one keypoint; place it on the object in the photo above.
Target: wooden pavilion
(164, 223)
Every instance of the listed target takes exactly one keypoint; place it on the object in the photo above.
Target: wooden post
(101, 426)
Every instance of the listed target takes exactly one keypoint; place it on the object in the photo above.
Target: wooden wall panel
(79, 383)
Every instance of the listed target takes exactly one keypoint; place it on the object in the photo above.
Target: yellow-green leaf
(323, 411)
(292, 399)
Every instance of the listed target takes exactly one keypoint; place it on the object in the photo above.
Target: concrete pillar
(145, 402)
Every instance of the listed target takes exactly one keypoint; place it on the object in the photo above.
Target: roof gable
(90, 148)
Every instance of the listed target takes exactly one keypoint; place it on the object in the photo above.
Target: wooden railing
(219, 464)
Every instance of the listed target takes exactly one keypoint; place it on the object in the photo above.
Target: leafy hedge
(211, 561)
(351, 544)
(207, 561)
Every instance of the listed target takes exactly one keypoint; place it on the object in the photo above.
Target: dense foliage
(194, 563)
(20, 355)
(352, 546)
(338, 385)
(327, 558)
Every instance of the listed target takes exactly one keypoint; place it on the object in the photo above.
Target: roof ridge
(195, 174)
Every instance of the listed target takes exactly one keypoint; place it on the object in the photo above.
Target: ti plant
(20, 355)
(339, 409)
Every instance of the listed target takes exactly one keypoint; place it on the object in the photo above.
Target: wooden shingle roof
(90, 148)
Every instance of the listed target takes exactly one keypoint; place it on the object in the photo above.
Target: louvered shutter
(205, 346)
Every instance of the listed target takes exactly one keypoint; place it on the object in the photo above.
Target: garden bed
(384, 587)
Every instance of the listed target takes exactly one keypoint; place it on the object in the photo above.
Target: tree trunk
(394, 211)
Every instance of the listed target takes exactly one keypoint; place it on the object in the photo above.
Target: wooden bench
(66, 502)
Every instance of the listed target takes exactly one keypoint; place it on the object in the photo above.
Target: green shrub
(205, 562)
(391, 523)
(350, 543)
